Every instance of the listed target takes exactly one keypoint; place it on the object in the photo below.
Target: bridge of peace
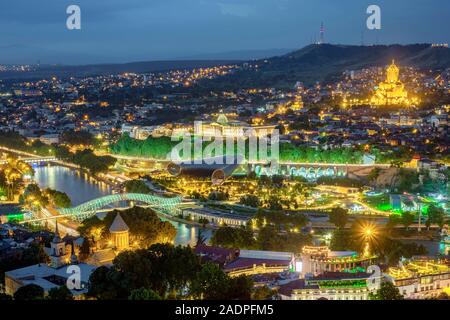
(176, 206)
(167, 206)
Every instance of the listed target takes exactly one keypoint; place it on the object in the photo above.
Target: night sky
(135, 30)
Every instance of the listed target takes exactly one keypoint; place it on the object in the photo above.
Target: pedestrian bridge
(32, 160)
(88, 209)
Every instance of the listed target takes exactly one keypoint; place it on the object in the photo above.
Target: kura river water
(81, 188)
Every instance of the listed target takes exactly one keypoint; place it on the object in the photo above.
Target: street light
(369, 232)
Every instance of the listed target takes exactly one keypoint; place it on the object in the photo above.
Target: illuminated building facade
(329, 286)
(297, 103)
(319, 260)
(392, 90)
(254, 262)
(231, 129)
(421, 279)
(119, 233)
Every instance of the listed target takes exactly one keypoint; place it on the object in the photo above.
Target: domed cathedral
(119, 233)
(392, 90)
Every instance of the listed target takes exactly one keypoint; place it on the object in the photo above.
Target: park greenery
(33, 196)
(14, 140)
(11, 176)
(266, 238)
(31, 292)
(78, 138)
(164, 271)
(146, 228)
(160, 148)
(387, 291)
(136, 186)
(339, 217)
(85, 158)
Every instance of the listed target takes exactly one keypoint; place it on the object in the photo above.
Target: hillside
(326, 62)
(102, 69)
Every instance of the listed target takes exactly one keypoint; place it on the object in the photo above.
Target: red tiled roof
(216, 254)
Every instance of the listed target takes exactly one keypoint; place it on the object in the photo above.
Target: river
(81, 188)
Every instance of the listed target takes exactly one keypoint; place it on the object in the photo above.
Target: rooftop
(42, 274)
(118, 225)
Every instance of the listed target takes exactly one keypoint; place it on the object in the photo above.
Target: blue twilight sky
(134, 30)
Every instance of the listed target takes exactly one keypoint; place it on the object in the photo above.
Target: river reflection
(81, 188)
(78, 186)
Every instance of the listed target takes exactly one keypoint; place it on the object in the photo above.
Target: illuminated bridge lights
(89, 209)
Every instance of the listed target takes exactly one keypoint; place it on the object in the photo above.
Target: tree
(341, 240)
(387, 291)
(274, 203)
(211, 283)
(60, 293)
(240, 288)
(86, 159)
(28, 256)
(144, 294)
(29, 292)
(408, 219)
(63, 153)
(339, 217)
(59, 199)
(5, 297)
(145, 226)
(233, 238)
(250, 200)
(218, 196)
(393, 221)
(268, 239)
(75, 138)
(137, 186)
(262, 293)
(33, 196)
(104, 285)
(436, 215)
(163, 268)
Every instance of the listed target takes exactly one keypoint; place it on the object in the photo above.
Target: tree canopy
(166, 272)
(146, 228)
(29, 292)
(387, 291)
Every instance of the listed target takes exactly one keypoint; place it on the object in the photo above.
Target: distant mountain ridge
(310, 64)
(46, 71)
(325, 62)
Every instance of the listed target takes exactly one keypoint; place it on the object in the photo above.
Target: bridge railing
(88, 209)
